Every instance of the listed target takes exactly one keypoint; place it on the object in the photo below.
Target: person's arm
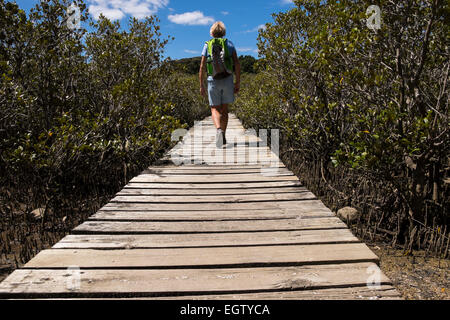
(237, 66)
(201, 76)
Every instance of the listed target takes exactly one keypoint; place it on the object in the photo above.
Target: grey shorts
(221, 91)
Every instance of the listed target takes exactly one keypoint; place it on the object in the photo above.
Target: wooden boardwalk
(229, 223)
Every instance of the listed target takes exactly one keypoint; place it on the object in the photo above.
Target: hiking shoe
(219, 138)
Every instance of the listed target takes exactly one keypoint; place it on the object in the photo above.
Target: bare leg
(216, 117)
(224, 117)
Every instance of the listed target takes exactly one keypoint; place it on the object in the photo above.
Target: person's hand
(203, 91)
(237, 87)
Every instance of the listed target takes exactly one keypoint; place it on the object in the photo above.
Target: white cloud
(193, 18)
(225, 13)
(244, 49)
(287, 1)
(191, 51)
(117, 9)
(256, 29)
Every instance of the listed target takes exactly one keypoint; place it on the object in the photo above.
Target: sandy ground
(416, 277)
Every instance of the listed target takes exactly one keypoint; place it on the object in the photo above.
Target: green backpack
(219, 62)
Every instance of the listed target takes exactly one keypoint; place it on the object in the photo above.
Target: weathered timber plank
(210, 146)
(205, 240)
(216, 161)
(231, 143)
(385, 292)
(136, 227)
(187, 185)
(233, 177)
(208, 192)
(213, 168)
(211, 135)
(138, 283)
(251, 256)
(216, 215)
(206, 154)
(229, 156)
(231, 160)
(292, 204)
(305, 195)
(232, 150)
(180, 171)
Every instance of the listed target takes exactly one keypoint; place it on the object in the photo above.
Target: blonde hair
(218, 30)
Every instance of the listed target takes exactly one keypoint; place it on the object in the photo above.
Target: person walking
(219, 60)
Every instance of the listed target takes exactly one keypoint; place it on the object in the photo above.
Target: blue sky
(189, 21)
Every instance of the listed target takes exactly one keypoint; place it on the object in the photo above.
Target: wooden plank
(305, 195)
(180, 171)
(239, 135)
(154, 283)
(235, 142)
(222, 152)
(250, 155)
(230, 156)
(187, 185)
(214, 167)
(231, 146)
(274, 174)
(245, 157)
(210, 131)
(208, 192)
(195, 145)
(230, 135)
(144, 227)
(205, 240)
(211, 134)
(216, 215)
(223, 159)
(292, 204)
(251, 256)
(210, 145)
(385, 292)
(227, 156)
(243, 178)
(217, 161)
(226, 151)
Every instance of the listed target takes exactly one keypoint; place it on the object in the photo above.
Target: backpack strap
(228, 58)
(209, 66)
